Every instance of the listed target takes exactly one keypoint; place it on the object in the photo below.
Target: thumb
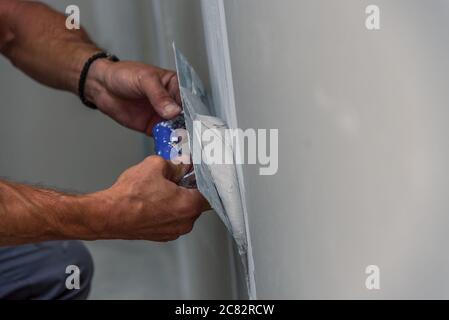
(175, 172)
(160, 99)
(196, 199)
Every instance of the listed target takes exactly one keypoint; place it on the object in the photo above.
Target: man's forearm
(35, 39)
(29, 214)
(145, 203)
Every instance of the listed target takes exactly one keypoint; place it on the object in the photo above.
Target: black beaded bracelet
(85, 72)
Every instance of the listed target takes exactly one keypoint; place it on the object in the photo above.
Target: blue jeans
(38, 271)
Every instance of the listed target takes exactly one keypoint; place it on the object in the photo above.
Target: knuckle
(147, 74)
(187, 209)
(170, 77)
(185, 203)
(156, 162)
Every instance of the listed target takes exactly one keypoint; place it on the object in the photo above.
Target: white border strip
(220, 69)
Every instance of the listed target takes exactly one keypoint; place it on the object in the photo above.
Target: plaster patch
(217, 182)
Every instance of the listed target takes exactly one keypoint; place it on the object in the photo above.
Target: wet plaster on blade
(217, 182)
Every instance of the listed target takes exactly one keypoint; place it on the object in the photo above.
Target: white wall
(363, 167)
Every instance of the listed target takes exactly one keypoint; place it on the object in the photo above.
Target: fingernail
(172, 110)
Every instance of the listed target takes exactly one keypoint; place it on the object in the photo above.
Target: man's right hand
(146, 203)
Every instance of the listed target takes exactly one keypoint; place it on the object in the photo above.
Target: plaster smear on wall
(217, 182)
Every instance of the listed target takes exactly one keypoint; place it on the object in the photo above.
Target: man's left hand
(136, 95)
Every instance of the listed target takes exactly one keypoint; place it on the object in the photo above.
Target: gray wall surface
(363, 174)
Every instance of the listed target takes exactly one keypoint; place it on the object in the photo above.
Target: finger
(167, 169)
(159, 97)
(195, 199)
(173, 89)
(175, 172)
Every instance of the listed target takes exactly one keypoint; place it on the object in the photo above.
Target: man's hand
(134, 94)
(34, 38)
(146, 203)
